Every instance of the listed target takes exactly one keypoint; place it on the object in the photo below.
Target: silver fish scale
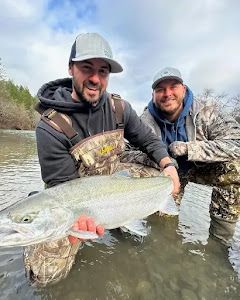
(99, 192)
(88, 188)
(113, 201)
(110, 200)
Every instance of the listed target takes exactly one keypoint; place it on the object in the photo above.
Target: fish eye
(26, 219)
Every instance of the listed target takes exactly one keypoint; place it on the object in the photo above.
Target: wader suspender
(58, 118)
(118, 110)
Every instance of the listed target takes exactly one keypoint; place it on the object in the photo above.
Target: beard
(84, 91)
(171, 112)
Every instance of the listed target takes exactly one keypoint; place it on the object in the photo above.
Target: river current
(178, 260)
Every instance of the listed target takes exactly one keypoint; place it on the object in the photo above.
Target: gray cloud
(201, 39)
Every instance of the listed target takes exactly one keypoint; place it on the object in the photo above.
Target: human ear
(70, 72)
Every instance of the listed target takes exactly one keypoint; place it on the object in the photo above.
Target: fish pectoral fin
(82, 234)
(169, 207)
(137, 227)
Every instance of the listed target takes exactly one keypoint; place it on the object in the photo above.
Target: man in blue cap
(204, 142)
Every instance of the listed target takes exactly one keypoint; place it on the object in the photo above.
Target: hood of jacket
(57, 95)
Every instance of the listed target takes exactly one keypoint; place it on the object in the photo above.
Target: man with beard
(204, 141)
(81, 133)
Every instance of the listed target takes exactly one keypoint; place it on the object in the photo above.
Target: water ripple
(195, 202)
(166, 265)
(234, 250)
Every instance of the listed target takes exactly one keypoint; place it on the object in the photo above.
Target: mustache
(169, 98)
(91, 85)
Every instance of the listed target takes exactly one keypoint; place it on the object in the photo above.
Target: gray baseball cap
(167, 73)
(93, 45)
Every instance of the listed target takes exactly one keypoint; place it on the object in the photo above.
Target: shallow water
(176, 261)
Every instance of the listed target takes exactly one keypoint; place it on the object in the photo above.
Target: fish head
(22, 227)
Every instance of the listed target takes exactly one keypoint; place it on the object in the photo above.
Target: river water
(178, 260)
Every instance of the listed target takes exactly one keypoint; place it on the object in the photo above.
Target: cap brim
(166, 78)
(115, 66)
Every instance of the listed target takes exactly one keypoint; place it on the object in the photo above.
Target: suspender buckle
(116, 96)
(49, 113)
(120, 125)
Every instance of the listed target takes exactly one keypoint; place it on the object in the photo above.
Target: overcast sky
(200, 38)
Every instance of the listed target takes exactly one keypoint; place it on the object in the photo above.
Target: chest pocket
(99, 154)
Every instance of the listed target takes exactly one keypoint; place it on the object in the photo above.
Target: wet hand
(85, 223)
(172, 172)
(178, 148)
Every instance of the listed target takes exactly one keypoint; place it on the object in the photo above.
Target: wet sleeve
(220, 137)
(57, 165)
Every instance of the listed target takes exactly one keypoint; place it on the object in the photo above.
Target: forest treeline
(17, 104)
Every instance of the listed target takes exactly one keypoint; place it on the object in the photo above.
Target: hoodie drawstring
(88, 122)
(103, 120)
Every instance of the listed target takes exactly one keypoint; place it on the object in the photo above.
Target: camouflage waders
(97, 155)
(49, 262)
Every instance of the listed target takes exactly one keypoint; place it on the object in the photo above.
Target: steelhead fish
(112, 201)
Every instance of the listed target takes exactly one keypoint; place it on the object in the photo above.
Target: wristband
(171, 164)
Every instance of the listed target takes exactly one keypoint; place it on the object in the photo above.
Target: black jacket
(57, 165)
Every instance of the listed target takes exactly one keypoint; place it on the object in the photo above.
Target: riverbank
(16, 107)
(13, 116)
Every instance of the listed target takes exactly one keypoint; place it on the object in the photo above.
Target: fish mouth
(22, 236)
(16, 234)
(48, 226)
(10, 237)
(7, 232)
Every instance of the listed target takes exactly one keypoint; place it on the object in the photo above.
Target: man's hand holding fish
(85, 223)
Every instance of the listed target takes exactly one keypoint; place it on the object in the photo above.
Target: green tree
(20, 94)
(16, 104)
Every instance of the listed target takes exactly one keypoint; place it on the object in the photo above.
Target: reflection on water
(19, 168)
(16, 146)
(234, 250)
(176, 261)
(194, 218)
